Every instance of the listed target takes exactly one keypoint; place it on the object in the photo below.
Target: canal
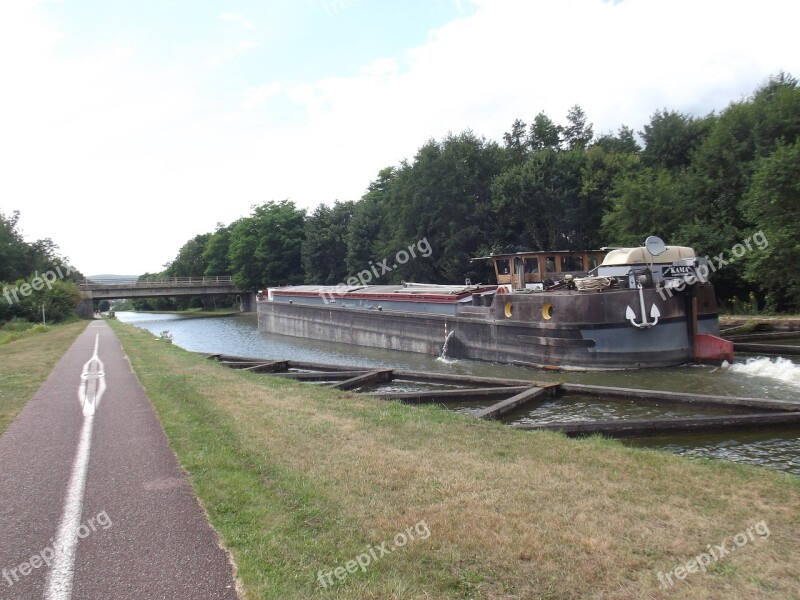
(749, 376)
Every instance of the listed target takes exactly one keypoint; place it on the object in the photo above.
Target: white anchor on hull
(654, 313)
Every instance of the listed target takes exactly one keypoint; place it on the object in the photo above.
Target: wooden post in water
(378, 376)
(495, 411)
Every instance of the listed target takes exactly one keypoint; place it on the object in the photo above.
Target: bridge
(126, 289)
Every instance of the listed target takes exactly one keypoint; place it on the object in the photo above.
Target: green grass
(298, 478)
(27, 355)
(17, 329)
(741, 325)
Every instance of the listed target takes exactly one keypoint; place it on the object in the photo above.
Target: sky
(127, 128)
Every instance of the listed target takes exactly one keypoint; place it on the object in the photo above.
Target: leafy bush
(60, 301)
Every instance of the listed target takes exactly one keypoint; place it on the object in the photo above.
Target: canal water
(749, 376)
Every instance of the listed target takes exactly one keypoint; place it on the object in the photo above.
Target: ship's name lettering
(677, 271)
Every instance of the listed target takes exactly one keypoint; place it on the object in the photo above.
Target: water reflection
(767, 378)
(571, 408)
(780, 451)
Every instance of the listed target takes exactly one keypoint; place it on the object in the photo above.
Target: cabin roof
(538, 253)
(632, 256)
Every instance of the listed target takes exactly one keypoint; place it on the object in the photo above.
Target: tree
(190, 261)
(444, 197)
(516, 142)
(644, 202)
(544, 134)
(18, 258)
(773, 204)
(13, 249)
(265, 248)
(370, 223)
(699, 181)
(670, 139)
(22, 262)
(577, 134)
(215, 254)
(623, 143)
(541, 201)
(60, 301)
(721, 173)
(777, 114)
(324, 247)
(606, 162)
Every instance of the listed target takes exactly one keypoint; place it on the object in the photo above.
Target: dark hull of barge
(583, 331)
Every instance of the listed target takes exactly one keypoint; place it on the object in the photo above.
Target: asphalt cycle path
(93, 503)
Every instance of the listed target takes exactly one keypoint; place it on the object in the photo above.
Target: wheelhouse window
(571, 263)
(593, 261)
(532, 266)
(550, 264)
(503, 266)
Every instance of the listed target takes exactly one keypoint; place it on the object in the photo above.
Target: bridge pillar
(86, 308)
(247, 302)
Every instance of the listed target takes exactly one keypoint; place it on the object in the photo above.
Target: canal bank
(760, 377)
(300, 479)
(742, 323)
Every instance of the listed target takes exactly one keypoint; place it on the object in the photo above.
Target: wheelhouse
(531, 269)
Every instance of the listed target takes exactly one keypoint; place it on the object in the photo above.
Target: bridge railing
(158, 282)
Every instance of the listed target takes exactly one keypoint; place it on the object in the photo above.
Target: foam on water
(780, 369)
(443, 355)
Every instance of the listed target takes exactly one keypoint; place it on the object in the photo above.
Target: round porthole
(547, 312)
(508, 309)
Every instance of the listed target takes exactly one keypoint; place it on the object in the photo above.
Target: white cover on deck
(632, 256)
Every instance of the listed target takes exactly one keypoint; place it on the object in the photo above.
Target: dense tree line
(32, 275)
(710, 182)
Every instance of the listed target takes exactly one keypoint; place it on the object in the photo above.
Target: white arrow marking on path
(93, 382)
(92, 387)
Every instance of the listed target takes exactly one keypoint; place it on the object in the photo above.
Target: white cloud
(117, 163)
(239, 19)
(512, 59)
(247, 45)
(121, 162)
(258, 96)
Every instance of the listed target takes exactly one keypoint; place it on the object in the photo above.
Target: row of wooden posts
(508, 395)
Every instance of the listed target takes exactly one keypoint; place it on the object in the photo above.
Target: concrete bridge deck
(121, 289)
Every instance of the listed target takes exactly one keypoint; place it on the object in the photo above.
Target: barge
(621, 308)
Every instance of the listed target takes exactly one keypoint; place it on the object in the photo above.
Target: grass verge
(26, 358)
(300, 480)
